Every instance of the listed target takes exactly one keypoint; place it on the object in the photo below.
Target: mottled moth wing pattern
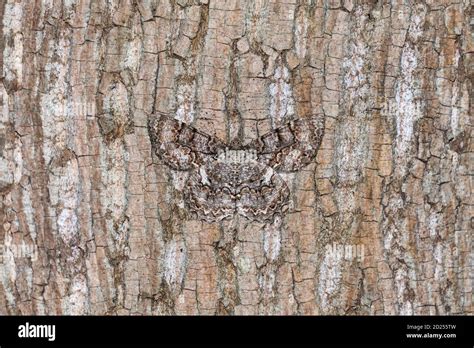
(225, 182)
(292, 146)
(220, 190)
(181, 146)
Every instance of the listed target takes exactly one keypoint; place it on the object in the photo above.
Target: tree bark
(93, 222)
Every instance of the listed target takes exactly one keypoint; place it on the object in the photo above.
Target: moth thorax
(237, 156)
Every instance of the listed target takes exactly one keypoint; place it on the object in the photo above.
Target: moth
(225, 180)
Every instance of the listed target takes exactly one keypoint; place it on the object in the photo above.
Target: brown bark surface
(380, 223)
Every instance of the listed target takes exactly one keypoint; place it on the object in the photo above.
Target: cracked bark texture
(80, 80)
